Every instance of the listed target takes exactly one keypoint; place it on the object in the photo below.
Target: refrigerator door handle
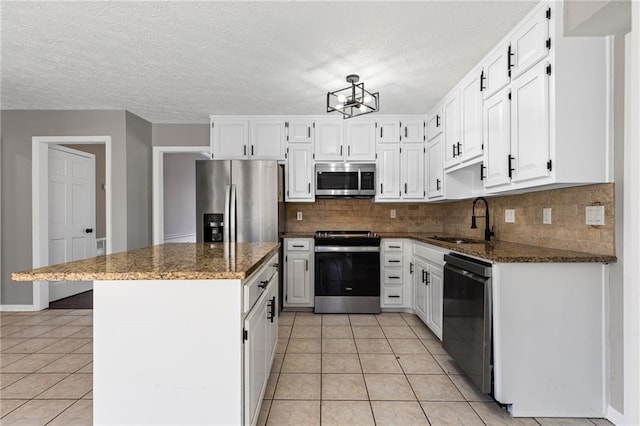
(232, 214)
(227, 218)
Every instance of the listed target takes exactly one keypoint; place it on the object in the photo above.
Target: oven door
(347, 271)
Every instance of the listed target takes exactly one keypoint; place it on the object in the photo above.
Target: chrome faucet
(487, 231)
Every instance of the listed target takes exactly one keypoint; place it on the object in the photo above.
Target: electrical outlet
(393, 213)
(594, 215)
(546, 216)
(299, 216)
(510, 216)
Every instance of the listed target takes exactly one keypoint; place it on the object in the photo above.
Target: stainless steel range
(347, 277)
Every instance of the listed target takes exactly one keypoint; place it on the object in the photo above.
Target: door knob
(88, 230)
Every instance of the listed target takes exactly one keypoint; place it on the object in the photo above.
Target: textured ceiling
(171, 62)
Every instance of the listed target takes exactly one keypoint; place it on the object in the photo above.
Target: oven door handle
(348, 249)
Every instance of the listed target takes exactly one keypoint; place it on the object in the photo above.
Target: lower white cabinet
(427, 266)
(395, 286)
(298, 278)
(261, 334)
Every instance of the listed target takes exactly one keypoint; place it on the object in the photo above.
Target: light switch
(510, 216)
(299, 216)
(546, 216)
(594, 215)
(393, 213)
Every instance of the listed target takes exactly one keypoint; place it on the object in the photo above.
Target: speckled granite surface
(173, 261)
(505, 252)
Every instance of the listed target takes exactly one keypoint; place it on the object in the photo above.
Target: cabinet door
(298, 282)
(496, 117)
(272, 321)
(412, 131)
(361, 140)
(412, 171)
(388, 172)
(420, 289)
(529, 43)
(300, 131)
(434, 124)
(329, 141)
(230, 139)
(452, 145)
(255, 358)
(434, 168)
(267, 139)
(496, 71)
(530, 124)
(434, 307)
(388, 131)
(300, 173)
(471, 117)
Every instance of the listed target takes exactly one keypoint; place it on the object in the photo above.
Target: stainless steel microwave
(345, 180)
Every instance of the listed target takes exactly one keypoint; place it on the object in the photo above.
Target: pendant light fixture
(353, 100)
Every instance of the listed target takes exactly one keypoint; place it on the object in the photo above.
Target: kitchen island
(183, 333)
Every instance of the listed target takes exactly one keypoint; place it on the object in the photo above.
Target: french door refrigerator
(238, 201)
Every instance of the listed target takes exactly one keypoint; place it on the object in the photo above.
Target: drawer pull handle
(395, 246)
(298, 245)
(394, 261)
(263, 284)
(348, 288)
(394, 297)
(394, 278)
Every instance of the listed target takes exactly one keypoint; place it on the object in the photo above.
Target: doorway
(41, 208)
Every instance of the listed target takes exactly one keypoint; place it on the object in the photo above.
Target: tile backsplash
(567, 230)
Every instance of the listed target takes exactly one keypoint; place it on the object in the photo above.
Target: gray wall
(139, 195)
(130, 182)
(180, 134)
(179, 176)
(98, 151)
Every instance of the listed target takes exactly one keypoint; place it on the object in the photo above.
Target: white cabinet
(361, 140)
(420, 301)
(412, 171)
(412, 130)
(471, 117)
(497, 128)
(529, 43)
(388, 171)
(245, 138)
(298, 272)
(267, 137)
(495, 70)
(405, 129)
(451, 116)
(229, 139)
(434, 123)
(435, 298)
(329, 140)
(300, 131)
(427, 266)
(395, 282)
(299, 173)
(434, 176)
(388, 130)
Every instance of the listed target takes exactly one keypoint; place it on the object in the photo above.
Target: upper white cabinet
(361, 140)
(452, 145)
(241, 138)
(412, 171)
(405, 129)
(497, 137)
(412, 130)
(229, 139)
(300, 130)
(495, 70)
(530, 43)
(388, 130)
(471, 116)
(329, 140)
(299, 173)
(388, 172)
(434, 175)
(434, 123)
(267, 137)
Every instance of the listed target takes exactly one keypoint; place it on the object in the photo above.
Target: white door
(71, 188)
(412, 170)
(497, 138)
(298, 284)
(529, 44)
(434, 314)
(361, 140)
(255, 358)
(388, 172)
(388, 131)
(434, 124)
(230, 139)
(452, 146)
(329, 140)
(267, 138)
(300, 131)
(412, 131)
(434, 168)
(300, 173)
(496, 71)
(420, 289)
(471, 117)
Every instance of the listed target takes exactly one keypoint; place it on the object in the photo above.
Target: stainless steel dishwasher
(467, 312)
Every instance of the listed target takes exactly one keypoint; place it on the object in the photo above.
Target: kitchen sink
(457, 240)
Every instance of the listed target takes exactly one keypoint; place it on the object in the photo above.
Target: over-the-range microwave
(345, 180)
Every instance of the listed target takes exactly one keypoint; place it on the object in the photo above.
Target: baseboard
(180, 238)
(17, 308)
(615, 416)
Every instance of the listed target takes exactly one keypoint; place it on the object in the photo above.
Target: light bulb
(367, 99)
(339, 106)
(341, 98)
(363, 108)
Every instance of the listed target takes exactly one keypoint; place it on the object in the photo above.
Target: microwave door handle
(227, 217)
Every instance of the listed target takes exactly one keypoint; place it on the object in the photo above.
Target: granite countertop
(172, 261)
(505, 252)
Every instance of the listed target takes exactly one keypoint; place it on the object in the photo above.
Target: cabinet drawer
(298, 245)
(393, 276)
(255, 287)
(392, 260)
(392, 246)
(392, 296)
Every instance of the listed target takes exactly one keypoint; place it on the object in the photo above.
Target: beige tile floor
(386, 369)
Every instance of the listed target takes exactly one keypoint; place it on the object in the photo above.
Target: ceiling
(179, 62)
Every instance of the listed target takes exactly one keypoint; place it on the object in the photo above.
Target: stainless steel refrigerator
(238, 201)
